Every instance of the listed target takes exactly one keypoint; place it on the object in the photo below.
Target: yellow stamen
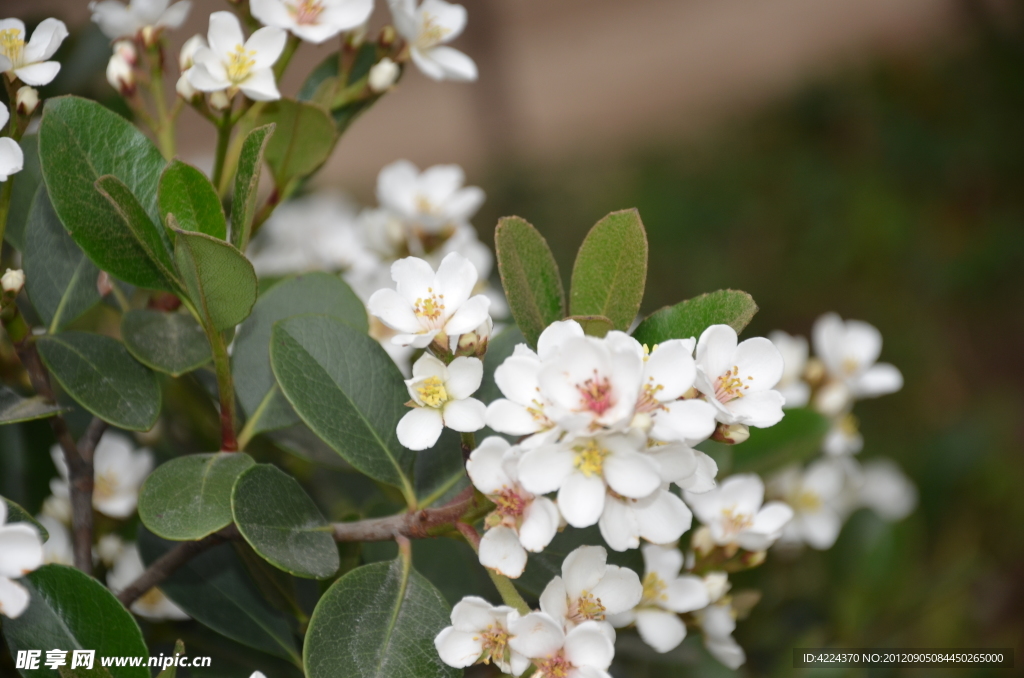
(586, 608)
(730, 385)
(735, 522)
(431, 34)
(590, 458)
(240, 63)
(12, 44)
(431, 308)
(432, 392)
(654, 589)
(306, 11)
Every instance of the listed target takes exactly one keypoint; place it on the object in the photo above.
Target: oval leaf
(691, 317)
(529, 275)
(172, 343)
(186, 193)
(60, 279)
(80, 141)
(257, 389)
(190, 497)
(610, 272)
(303, 139)
(247, 180)
(282, 524)
(103, 378)
(347, 390)
(378, 621)
(69, 610)
(15, 409)
(215, 589)
(219, 280)
(24, 186)
(16, 514)
(594, 325)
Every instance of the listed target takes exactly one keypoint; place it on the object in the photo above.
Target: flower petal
(261, 86)
(671, 366)
(470, 316)
(267, 43)
(663, 518)
(21, 550)
(536, 635)
(46, 39)
(464, 416)
(38, 74)
(464, 377)
(619, 589)
(684, 421)
(506, 416)
(13, 598)
(663, 631)
(555, 335)
(632, 474)
(588, 645)
(456, 276)
(715, 350)
(583, 569)
(760, 364)
(545, 468)
(458, 648)
(880, 379)
(175, 15)
(581, 499)
(686, 594)
(224, 34)
(393, 309)
(12, 160)
(618, 525)
(758, 408)
(420, 428)
(485, 467)
(540, 524)
(500, 550)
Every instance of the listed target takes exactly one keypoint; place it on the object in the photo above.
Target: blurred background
(861, 156)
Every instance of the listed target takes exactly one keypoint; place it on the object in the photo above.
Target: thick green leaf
(347, 390)
(100, 374)
(80, 141)
(594, 325)
(247, 180)
(282, 524)
(215, 589)
(250, 361)
(378, 621)
(610, 272)
(186, 193)
(16, 514)
(138, 224)
(172, 343)
(15, 409)
(691, 317)
(303, 139)
(172, 671)
(219, 280)
(69, 610)
(60, 279)
(190, 497)
(24, 186)
(529, 275)
(795, 439)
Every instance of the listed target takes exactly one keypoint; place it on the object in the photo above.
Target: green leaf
(529, 275)
(24, 186)
(594, 325)
(219, 280)
(190, 497)
(247, 180)
(795, 439)
(303, 139)
(60, 279)
(282, 524)
(186, 193)
(172, 671)
(215, 589)
(347, 390)
(103, 378)
(15, 409)
(378, 621)
(69, 610)
(138, 225)
(610, 272)
(323, 85)
(691, 317)
(250, 361)
(79, 142)
(16, 514)
(172, 343)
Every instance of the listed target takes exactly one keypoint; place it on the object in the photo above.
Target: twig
(91, 438)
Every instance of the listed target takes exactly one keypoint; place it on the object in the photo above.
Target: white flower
(586, 651)
(120, 75)
(479, 634)
(57, 549)
(29, 62)
(734, 514)
(814, 495)
(187, 55)
(688, 468)
(153, 604)
(21, 551)
(119, 471)
(521, 521)
(660, 518)
(12, 280)
(383, 75)
(717, 624)
(666, 594)
(228, 64)
(590, 590)
(434, 200)
(109, 549)
(885, 489)
(849, 350)
(426, 305)
(312, 20)
(738, 379)
(794, 352)
(583, 468)
(118, 21)
(184, 88)
(843, 436)
(441, 397)
(427, 28)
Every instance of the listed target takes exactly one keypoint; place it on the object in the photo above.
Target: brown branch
(91, 438)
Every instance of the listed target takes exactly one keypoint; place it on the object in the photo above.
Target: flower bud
(356, 37)
(188, 51)
(27, 99)
(701, 541)
(13, 280)
(387, 36)
(109, 548)
(717, 585)
(753, 558)
(184, 88)
(731, 434)
(219, 101)
(104, 284)
(383, 75)
(120, 75)
(126, 50)
(475, 343)
(150, 34)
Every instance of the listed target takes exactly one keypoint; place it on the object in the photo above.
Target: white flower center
(495, 644)
(654, 590)
(432, 392)
(431, 33)
(554, 667)
(105, 486)
(596, 394)
(805, 501)
(12, 45)
(590, 458)
(431, 309)
(731, 385)
(306, 12)
(733, 522)
(586, 608)
(509, 503)
(240, 63)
